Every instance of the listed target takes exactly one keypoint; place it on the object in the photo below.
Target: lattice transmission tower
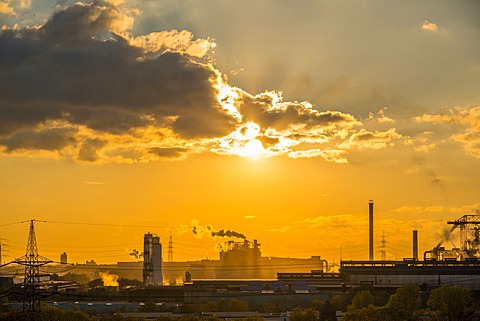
(170, 249)
(31, 286)
(383, 247)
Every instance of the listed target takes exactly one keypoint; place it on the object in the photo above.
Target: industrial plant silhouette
(242, 272)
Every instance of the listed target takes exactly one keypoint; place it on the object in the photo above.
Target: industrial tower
(370, 230)
(152, 260)
(31, 286)
(469, 226)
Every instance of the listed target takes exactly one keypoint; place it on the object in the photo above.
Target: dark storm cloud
(53, 139)
(76, 67)
(262, 111)
(139, 98)
(169, 152)
(13, 117)
(88, 150)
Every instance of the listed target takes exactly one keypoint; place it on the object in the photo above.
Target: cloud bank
(466, 121)
(83, 87)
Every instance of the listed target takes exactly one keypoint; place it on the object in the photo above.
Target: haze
(278, 120)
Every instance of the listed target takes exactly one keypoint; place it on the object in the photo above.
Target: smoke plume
(446, 235)
(228, 233)
(200, 231)
(109, 279)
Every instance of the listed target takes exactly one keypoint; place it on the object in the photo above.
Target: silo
(157, 261)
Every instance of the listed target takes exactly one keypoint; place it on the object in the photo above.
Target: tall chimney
(415, 244)
(370, 229)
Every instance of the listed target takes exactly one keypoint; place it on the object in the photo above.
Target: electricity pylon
(31, 285)
(383, 247)
(170, 249)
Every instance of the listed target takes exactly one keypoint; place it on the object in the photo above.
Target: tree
(77, 278)
(404, 304)
(451, 303)
(50, 313)
(369, 313)
(339, 302)
(236, 305)
(211, 306)
(328, 312)
(361, 300)
(307, 314)
(316, 303)
(269, 308)
(221, 304)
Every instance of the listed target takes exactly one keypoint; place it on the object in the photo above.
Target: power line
(7, 224)
(107, 224)
(243, 227)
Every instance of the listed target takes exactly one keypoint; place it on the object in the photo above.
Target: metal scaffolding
(469, 234)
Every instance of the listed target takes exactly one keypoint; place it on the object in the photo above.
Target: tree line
(408, 303)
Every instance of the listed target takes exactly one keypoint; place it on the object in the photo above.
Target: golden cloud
(173, 40)
(468, 120)
(419, 209)
(429, 26)
(373, 140)
(381, 117)
(111, 96)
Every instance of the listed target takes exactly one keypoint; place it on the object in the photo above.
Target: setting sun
(253, 149)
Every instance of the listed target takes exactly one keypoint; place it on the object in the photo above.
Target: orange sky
(122, 118)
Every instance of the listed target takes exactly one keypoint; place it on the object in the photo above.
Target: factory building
(152, 260)
(244, 260)
(430, 274)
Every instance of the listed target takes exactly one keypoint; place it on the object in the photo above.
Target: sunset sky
(277, 119)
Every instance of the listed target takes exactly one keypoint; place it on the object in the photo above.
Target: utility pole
(32, 262)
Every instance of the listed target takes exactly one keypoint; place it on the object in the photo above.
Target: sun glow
(253, 149)
(226, 97)
(243, 142)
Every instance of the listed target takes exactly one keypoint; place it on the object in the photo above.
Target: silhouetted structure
(469, 226)
(63, 258)
(370, 229)
(415, 245)
(170, 249)
(429, 273)
(383, 247)
(152, 260)
(32, 262)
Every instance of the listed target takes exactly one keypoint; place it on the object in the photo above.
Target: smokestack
(415, 244)
(370, 229)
